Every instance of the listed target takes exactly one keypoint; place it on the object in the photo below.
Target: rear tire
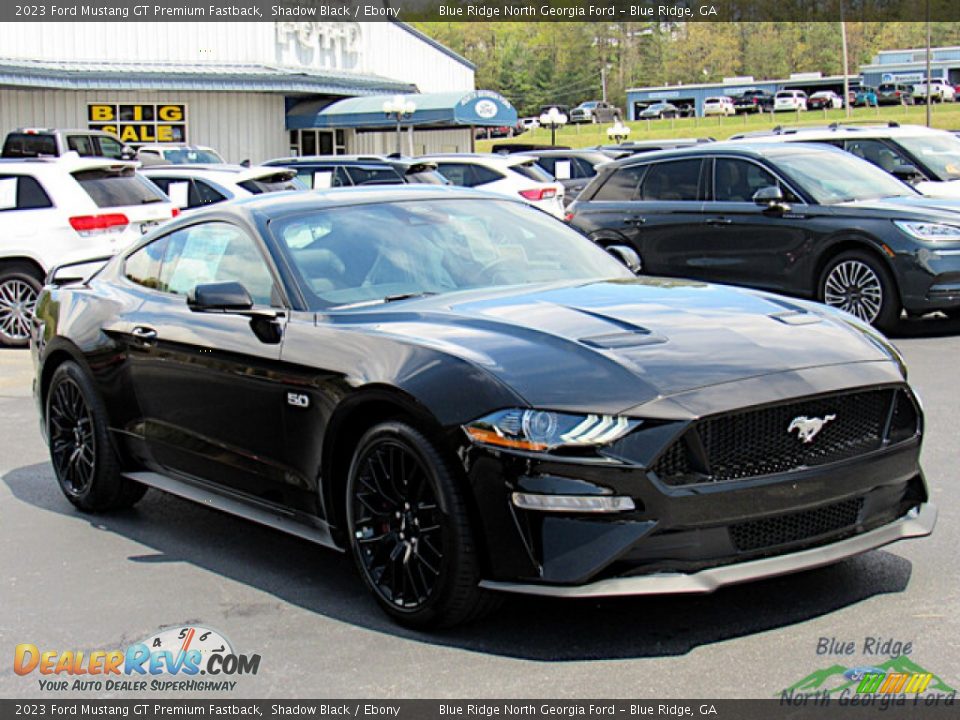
(409, 530)
(19, 289)
(84, 460)
(859, 283)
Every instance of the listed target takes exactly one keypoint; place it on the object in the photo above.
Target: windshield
(840, 177)
(940, 153)
(362, 254)
(191, 156)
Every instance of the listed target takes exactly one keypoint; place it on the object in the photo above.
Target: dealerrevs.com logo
(170, 660)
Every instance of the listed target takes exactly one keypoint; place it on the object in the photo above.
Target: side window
(143, 266)
(877, 152)
(622, 185)
(672, 181)
(549, 164)
(457, 173)
(215, 252)
(202, 193)
(583, 169)
(481, 176)
(110, 148)
(81, 144)
(374, 176)
(22, 192)
(738, 180)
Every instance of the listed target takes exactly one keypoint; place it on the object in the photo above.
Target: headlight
(541, 431)
(931, 232)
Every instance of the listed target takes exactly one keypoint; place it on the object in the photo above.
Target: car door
(751, 244)
(209, 388)
(664, 219)
(32, 226)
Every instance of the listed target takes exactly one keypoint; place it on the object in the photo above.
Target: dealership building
(252, 90)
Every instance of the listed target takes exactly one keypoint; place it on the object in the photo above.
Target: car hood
(611, 345)
(949, 189)
(923, 206)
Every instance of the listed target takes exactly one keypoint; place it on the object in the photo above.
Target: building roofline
(435, 44)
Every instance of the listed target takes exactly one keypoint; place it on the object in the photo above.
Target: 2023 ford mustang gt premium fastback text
(470, 397)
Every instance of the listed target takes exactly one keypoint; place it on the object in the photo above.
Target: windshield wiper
(385, 300)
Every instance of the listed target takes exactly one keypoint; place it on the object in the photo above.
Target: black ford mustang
(469, 397)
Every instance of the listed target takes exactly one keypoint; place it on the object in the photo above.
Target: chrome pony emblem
(808, 428)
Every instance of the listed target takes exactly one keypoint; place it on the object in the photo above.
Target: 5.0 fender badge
(808, 428)
(298, 400)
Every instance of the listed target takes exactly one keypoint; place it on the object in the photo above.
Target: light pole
(554, 119)
(399, 107)
(618, 132)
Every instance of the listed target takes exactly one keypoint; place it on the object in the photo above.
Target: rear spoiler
(77, 272)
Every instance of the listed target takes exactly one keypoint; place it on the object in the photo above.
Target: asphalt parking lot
(78, 582)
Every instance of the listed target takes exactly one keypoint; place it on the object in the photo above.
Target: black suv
(800, 219)
(753, 101)
(323, 171)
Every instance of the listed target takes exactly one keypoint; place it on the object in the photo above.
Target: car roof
(783, 134)
(301, 201)
(508, 160)
(173, 146)
(739, 147)
(236, 173)
(68, 162)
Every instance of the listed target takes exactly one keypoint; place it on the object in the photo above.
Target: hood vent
(620, 340)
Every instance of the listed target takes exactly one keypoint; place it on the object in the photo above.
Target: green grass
(945, 116)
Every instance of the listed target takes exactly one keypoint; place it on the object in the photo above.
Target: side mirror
(219, 297)
(771, 198)
(628, 256)
(907, 173)
(245, 163)
(768, 195)
(128, 153)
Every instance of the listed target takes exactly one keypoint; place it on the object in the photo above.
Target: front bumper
(930, 279)
(918, 524)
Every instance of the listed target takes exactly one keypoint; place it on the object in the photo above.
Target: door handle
(718, 221)
(144, 335)
(634, 220)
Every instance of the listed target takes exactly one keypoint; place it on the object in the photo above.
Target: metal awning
(477, 107)
(253, 77)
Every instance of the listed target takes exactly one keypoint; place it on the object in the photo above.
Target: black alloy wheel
(84, 461)
(859, 284)
(409, 531)
(73, 446)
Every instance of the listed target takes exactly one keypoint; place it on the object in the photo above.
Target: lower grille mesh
(784, 529)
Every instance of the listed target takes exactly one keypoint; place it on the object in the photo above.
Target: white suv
(63, 210)
(790, 100)
(509, 175)
(722, 105)
(193, 186)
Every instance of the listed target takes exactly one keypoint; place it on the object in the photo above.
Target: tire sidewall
(890, 306)
(442, 480)
(105, 475)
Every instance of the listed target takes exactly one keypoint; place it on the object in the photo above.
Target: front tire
(19, 289)
(409, 531)
(860, 284)
(84, 460)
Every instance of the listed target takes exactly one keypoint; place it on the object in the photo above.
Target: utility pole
(929, 84)
(846, 65)
(603, 79)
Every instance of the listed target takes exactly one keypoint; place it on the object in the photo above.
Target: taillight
(538, 194)
(175, 212)
(567, 216)
(94, 224)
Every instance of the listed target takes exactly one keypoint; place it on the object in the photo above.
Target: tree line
(533, 64)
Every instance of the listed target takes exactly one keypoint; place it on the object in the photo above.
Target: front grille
(795, 527)
(752, 443)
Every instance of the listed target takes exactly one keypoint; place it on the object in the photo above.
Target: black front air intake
(788, 436)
